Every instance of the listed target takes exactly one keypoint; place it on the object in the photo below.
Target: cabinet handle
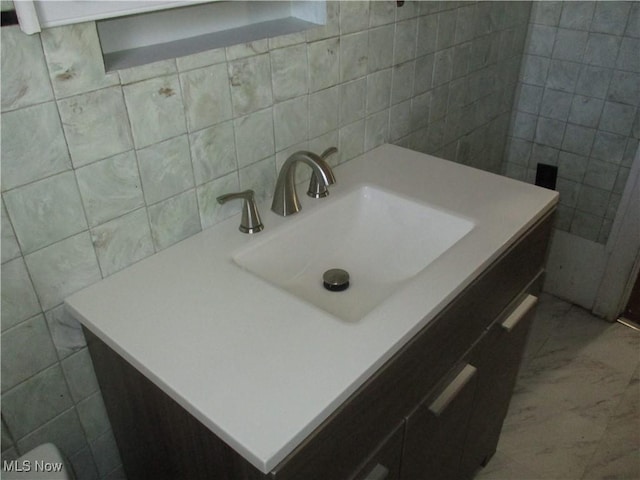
(519, 313)
(379, 472)
(441, 403)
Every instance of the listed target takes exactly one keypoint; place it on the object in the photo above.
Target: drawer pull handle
(441, 403)
(379, 472)
(519, 313)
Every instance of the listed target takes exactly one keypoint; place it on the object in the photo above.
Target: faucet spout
(285, 198)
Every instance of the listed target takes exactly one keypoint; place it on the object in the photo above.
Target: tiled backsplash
(102, 170)
(577, 107)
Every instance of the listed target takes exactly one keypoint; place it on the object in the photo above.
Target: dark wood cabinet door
(497, 357)
(436, 430)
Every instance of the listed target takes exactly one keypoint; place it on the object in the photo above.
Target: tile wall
(577, 108)
(102, 170)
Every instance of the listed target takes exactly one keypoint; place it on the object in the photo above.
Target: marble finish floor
(575, 413)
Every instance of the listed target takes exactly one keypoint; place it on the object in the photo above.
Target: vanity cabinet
(434, 410)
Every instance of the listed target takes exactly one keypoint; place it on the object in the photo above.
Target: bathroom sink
(381, 239)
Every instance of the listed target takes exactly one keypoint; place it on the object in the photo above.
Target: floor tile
(503, 467)
(575, 412)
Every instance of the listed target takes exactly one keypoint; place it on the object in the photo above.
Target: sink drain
(336, 280)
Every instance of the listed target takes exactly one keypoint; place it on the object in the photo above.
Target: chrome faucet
(285, 198)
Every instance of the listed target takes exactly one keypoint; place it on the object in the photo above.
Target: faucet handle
(317, 189)
(251, 222)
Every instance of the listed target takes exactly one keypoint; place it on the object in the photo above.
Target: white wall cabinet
(34, 15)
(137, 32)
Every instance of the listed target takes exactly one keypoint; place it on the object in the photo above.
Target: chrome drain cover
(336, 280)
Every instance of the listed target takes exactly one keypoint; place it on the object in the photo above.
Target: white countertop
(261, 368)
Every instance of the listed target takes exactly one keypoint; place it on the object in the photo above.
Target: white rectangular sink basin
(381, 239)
